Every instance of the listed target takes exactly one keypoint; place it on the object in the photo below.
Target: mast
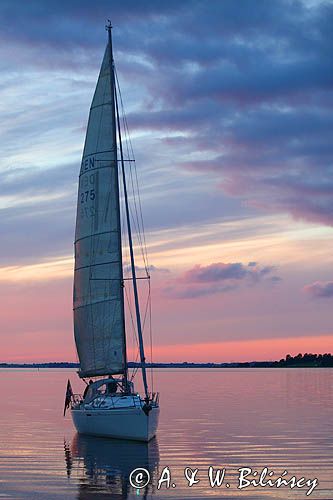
(135, 288)
(114, 141)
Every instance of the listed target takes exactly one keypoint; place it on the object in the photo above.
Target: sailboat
(110, 406)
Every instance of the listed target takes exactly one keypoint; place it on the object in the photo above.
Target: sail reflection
(104, 465)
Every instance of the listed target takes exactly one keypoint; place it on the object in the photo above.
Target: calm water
(228, 419)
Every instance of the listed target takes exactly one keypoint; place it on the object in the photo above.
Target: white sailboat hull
(123, 423)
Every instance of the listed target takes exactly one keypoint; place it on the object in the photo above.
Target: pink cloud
(217, 278)
(319, 289)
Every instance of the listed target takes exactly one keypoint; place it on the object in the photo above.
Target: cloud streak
(218, 278)
(319, 289)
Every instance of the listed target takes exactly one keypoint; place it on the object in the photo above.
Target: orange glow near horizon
(219, 352)
(243, 350)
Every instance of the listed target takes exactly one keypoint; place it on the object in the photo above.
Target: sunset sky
(229, 105)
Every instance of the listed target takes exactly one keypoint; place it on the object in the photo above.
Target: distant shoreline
(299, 361)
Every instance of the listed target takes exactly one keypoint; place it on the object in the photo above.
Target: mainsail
(98, 300)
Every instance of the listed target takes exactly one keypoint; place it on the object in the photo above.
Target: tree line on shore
(307, 360)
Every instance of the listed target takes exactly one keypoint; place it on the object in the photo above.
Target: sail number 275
(87, 195)
(88, 188)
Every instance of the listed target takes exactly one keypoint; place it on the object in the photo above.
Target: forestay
(98, 292)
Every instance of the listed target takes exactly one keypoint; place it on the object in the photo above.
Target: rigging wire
(151, 340)
(131, 316)
(137, 219)
(134, 337)
(127, 273)
(135, 189)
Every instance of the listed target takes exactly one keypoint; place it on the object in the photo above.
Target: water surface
(225, 418)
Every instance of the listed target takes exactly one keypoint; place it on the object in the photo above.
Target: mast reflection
(103, 466)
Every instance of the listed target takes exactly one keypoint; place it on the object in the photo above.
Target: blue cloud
(320, 289)
(218, 278)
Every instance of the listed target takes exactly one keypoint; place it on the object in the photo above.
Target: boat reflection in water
(103, 466)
